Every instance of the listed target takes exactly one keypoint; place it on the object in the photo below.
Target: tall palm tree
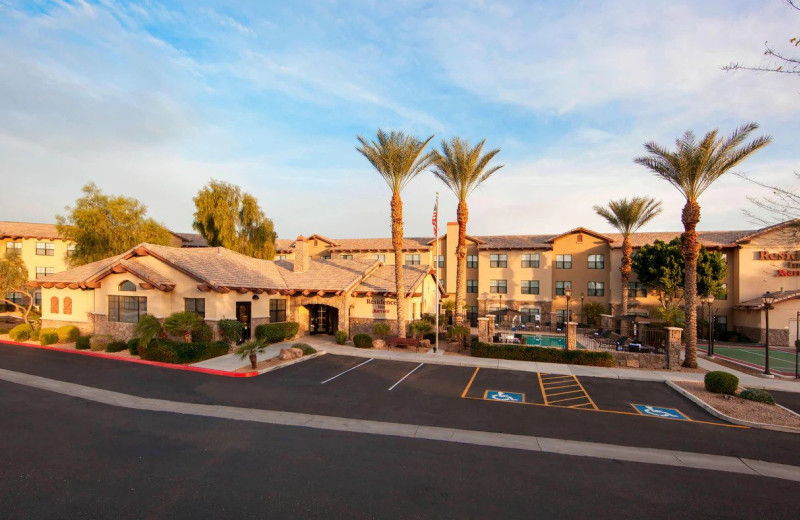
(627, 216)
(462, 168)
(398, 158)
(692, 168)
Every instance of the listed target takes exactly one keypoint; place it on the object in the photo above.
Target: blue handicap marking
(658, 411)
(511, 397)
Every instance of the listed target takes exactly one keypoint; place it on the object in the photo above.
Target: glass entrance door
(321, 319)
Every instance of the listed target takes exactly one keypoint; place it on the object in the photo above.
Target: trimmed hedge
(167, 351)
(21, 332)
(277, 332)
(133, 346)
(341, 337)
(543, 354)
(362, 341)
(720, 382)
(307, 349)
(99, 342)
(82, 343)
(116, 346)
(757, 395)
(48, 337)
(203, 333)
(68, 334)
(230, 330)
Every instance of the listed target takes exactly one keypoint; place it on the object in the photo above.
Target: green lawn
(779, 360)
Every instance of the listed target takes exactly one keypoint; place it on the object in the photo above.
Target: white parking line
(346, 371)
(405, 376)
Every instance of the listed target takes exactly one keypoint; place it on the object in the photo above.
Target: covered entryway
(323, 319)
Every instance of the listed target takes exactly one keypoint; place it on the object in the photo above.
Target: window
(530, 286)
(13, 248)
(472, 315)
(54, 305)
(127, 285)
(530, 260)
(720, 324)
(197, 305)
(597, 261)
(45, 249)
(439, 261)
(472, 286)
(529, 314)
(126, 309)
(560, 286)
(277, 310)
(472, 261)
(498, 286)
(37, 298)
(722, 292)
(412, 259)
(382, 258)
(563, 261)
(637, 289)
(280, 257)
(596, 289)
(42, 272)
(72, 249)
(561, 317)
(498, 260)
(326, 257)
(442, 282)
(346, 257)
(67, 305)
(14, 297)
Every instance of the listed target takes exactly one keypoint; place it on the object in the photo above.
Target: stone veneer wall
(84, 327)
(640, 360)
(777, 337)
(367, 326)
(119, 331)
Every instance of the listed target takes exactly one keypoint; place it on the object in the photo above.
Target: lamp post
(767, 298)
(709, 300)
(568, 294)
(581, 316)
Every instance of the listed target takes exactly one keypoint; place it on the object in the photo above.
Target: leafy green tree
(691, 169)
(183, 324)
(103, 225)
(227, 217)
(462, 168)
(627, 216)
(592, 312)
(660, 267)
(398, 158)
(14, 278)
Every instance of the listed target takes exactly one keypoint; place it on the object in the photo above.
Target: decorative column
(606, 321)
(674, 347)
(572, 335)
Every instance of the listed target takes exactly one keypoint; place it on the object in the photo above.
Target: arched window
(127, 285)
(54, 305)
(67, 305)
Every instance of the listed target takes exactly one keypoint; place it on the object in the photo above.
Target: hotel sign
(379, 305)
(792, 259)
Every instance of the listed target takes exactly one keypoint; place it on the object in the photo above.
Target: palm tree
(251, 349)
(627, 216)
(398, 158)
(462, 168)
(692, 168)
(182, 324)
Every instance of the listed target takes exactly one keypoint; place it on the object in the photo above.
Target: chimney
(302, 261)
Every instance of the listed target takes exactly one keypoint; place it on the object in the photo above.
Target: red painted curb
(139, 361)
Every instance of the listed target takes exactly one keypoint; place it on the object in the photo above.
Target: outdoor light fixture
(255, 296)
(709, 300)
(580, 318)
(768, 299)
(568, 294)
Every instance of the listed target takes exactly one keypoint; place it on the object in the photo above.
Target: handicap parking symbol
(511, 397)
(658, 411)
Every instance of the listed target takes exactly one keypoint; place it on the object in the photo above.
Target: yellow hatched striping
(558, 390)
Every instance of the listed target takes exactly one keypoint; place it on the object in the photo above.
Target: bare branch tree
(781, 205)
(779, 62)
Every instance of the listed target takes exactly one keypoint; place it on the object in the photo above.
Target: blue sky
(152, 99)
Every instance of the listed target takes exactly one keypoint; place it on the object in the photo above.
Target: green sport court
(781, 359)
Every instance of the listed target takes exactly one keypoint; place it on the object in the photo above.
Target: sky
(153, 99)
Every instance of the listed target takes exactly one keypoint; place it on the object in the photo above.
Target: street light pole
(710, 352)
(580, 318)
(767, 299)
(568, 294)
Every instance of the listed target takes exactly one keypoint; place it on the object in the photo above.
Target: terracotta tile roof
(147, 274)
(81, 273)
(382, 280)
(706, 238)
(583, 230)
(380, 244)
(325, 275)
(192, 239)
(284, 245)
(516, 242)
(757, 304)
(28, 230)
(775, 227)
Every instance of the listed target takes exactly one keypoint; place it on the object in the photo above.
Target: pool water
(546, 341)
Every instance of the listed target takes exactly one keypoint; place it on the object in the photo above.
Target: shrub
(341, 337)
(457, 332)
(430, 336)
(116, 346)
(721, 382)
(307, 349)
(277, 332)
(133, 346)
(382, 330)
(202, 334)
(168, 351)
(543, 354)
(230, 330)
(82, 343)
(362, 341)
(147, 328)
(419, 328)
(100, 342)
(21, 332)
(48, 337)
(757, 395)
(183, 324)
(35, 334)
(68, 334)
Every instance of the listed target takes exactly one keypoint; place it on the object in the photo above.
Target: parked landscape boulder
(289, 353)
(297, 351)
(378, 344)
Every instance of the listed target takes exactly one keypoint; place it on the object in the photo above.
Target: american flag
(435, 218)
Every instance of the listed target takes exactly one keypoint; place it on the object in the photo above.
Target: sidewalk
(232, 362)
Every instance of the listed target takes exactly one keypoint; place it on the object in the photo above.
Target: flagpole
(436, 260)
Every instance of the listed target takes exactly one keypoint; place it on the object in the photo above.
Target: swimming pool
(538, 340)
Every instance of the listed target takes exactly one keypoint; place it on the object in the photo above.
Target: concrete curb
(716, 413)
(292, 362)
